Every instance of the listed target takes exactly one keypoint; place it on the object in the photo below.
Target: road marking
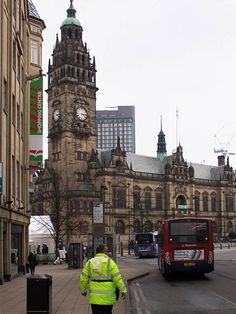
(139, 297)
(225, 299)
(142, 297)
(136, 296)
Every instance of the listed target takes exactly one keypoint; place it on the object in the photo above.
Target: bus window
(189, 231)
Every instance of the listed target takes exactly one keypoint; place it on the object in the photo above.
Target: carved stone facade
(138, 192)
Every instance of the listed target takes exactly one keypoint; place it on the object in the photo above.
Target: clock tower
(71, 104)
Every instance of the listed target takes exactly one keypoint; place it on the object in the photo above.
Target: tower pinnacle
(71, 11)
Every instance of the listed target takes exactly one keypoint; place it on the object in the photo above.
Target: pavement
(66, 298)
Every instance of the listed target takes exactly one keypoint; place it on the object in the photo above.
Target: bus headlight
(167, 258)
(210, 257)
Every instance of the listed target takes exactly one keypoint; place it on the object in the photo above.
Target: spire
(71, 11)
(161, 144)
(57, 40)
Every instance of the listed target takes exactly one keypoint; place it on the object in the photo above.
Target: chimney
(221, 160)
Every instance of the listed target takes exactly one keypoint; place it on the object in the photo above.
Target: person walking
(102, 277)
(32, 262)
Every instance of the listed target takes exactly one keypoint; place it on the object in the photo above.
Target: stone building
(137, 192)
(20, 26)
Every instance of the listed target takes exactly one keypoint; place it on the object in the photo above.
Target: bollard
(121, 248)
(221, 246)
(228, 245)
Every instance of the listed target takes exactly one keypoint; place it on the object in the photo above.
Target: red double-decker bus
(186, 245)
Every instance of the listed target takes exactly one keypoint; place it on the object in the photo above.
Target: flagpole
(177, 116)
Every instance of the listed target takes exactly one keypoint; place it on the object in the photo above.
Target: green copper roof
(71, 20)
(71, 16)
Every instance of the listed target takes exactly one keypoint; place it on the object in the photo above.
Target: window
(5, 98)
(82, 155)
(34, 52)
(22, 125)
(229, 203)
(18, 179)
(56, 156)
(120, 227)
(213, 204)
(18, 118)
(136, 200)
(205, 202)
(13, 176)
(22, 183)
(148, 226)
(18, 66)
(197, 203)
(137, 226)
(159, 201)
(119, 199)
(147, 200)
(14, 54)
(13, 109)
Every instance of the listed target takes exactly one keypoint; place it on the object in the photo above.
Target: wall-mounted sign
(98, 213)
(36, 122)
(182, 206)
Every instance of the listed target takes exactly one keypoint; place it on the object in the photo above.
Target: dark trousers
(101, 309)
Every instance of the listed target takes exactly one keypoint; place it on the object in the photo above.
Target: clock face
(56, 114)
(81, 114)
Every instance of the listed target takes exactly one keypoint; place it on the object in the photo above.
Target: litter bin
(39, 294)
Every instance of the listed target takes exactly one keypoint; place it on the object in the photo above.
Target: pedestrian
(32, 262)
(38, 249)
(101, 277)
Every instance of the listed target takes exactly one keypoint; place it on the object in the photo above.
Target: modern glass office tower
(113, 123)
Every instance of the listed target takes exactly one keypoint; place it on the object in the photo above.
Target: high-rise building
(20, 63)
(112, 124)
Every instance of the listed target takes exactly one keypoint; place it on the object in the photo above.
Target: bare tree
(53, 200)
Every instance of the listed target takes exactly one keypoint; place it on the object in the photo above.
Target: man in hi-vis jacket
(101, 276)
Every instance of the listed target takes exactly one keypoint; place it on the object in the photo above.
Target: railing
(224, 245)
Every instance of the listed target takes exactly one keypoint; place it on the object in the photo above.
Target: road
(215, 293)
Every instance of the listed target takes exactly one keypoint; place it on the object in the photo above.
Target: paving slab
(66, 298)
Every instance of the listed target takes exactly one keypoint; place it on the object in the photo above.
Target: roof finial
(71, 11)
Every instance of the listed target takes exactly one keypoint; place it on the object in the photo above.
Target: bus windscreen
(144, 238)
(189, 231)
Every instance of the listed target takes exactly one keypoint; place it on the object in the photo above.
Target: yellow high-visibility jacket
(101, 276)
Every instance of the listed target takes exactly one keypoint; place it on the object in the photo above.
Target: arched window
(196, 200)
(136, 200)
(91, 206)
(229, 202)
(84, 227)
(215, 227)
(213, 202)
(148, 226)
(180, 202)
(69, 33)
(137, 227)
(205, 201)
(147, 200)
(120, 227)
(158, 225)
(229, 226)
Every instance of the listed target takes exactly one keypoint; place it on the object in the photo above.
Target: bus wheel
(162, 267)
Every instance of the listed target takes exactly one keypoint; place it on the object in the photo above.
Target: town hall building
(137, 192)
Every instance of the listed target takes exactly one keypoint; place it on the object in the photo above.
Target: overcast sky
(159, 55)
